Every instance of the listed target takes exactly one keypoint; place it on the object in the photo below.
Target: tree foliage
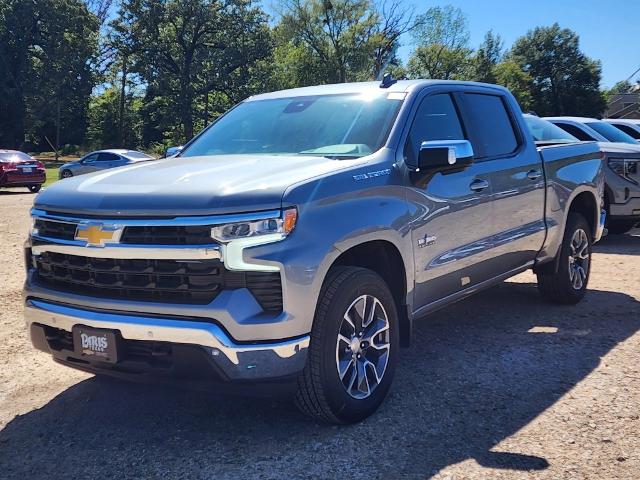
(46, 52)
(341, 40)
(148, 73)
(510, 75)
(565, 80)
(442, 45)
(489, 54)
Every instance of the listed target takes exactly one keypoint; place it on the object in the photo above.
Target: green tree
(105, 122)
(334, 41)
(488, 55)
(47, 49)
(185, 50)
(436, 61)
(442, 49)
(565, 80)
(509, 74)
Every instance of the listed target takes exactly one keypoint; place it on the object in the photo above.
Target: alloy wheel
(578, 259)
(362, 347)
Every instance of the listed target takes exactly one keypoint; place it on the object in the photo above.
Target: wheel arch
(384, 258)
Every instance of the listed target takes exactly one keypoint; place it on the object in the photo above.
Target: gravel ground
(498, 386)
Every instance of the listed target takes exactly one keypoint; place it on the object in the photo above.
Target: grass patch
(52, 176)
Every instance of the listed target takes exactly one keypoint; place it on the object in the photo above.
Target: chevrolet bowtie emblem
(96, 235)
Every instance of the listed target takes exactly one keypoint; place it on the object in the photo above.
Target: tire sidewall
(345, 407)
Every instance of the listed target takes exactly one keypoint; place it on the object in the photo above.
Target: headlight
(625, 168)
(282, 225)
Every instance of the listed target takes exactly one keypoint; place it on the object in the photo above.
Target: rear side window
(436, 119)
(576, 132)
(628, 130)
(107, 157)
(494, 135)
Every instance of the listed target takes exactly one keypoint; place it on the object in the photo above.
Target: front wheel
(66, 174)
(569, 284)
(353, 350)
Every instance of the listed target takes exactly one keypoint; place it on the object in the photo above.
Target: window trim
(515, 126)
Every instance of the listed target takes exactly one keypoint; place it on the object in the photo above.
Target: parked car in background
(102, 160)
(299, 236)
(622, 182)
(585, 129)
(17, 169)
(629, 126)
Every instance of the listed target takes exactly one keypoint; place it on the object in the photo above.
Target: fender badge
(378, 173)
(427, 240)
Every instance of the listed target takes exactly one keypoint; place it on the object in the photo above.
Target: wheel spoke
(363, 380)
(347, 366)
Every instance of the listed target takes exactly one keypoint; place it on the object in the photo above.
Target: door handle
(534, 174)
(478, 185)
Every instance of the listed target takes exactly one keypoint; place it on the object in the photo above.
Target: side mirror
(172, 151)
(445, 155)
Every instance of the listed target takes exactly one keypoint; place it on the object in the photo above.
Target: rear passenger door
(516, 175)
(106, 160)
(451, 212)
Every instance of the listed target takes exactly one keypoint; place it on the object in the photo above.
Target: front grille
(166, 281)
(58, 230)
(167, 235)
(144, 235)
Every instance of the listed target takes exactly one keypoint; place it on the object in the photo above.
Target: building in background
(625, 105)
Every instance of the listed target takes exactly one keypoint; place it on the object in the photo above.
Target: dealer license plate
(95, 344)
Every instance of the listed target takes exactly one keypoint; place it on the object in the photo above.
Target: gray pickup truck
(293, 242)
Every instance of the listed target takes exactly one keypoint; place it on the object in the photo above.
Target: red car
(17, 169)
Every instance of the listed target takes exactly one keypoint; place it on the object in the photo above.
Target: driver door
(451, 210)
(88, 163)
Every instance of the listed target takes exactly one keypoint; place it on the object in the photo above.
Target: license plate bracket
(95, 344)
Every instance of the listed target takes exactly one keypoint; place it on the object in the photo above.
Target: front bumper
(234, 361)
(628, 210)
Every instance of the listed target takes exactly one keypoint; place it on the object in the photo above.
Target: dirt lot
(485, 392)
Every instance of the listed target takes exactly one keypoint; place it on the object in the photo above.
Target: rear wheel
(569, 284)
(353, 350)
(66, 174)
(34, 188)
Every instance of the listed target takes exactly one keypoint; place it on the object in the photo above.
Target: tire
(617, 227)
(322, 394)
(66, 174)
(34, 188)
(569, 284)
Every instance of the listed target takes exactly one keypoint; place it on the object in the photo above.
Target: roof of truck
(573, 119)
(400, 86)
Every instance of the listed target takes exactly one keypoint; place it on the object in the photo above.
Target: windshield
(611, 133)
(545, 131)
(341, 126)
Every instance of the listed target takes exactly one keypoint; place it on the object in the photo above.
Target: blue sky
(608, 29)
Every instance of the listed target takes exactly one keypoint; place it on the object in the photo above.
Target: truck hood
(204, 185)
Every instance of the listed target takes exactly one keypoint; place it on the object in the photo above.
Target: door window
(436, 119)
(493, 130)
(628, 130)
(107, 157)
(575, 131)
